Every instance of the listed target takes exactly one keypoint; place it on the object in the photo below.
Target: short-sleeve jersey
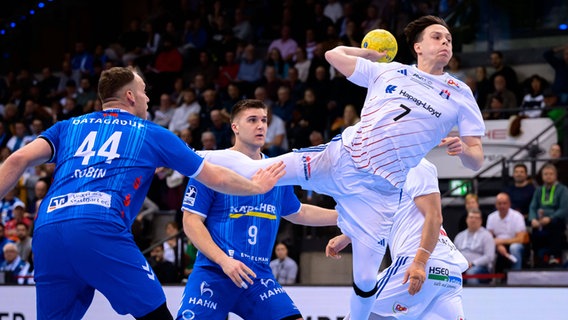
(244, 227)
(408, 222)
(508, 227)
(406, 113)
(104, 164)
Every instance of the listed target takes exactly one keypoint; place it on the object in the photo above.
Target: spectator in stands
(477, 246)
(24, 242)
(3, 241)
(284, 269)
(276, 141)
(471, 82)
(250, 71)
(284, 106)
(7, 205)
(495, 109)
(40, 190)
(506, 71)
(174, 246)
(560, 66)
(242, 28)
(221, 129)
(521, 191)
(164, 112)
(508, 228)
(228, 71)
(165, 270)
(350, 117)
(547, 213)
(196, 130)
(16, 267)
(206, 67)
(554, 112)
(471, 201)
(455, 69)
(188, 106)
(555, 155)
(533, 101)
(86, 91)
(208, 141)
(81, 62)
(285, 44)
(302, 64)
(48, 86)
(372, 20)
(133, 41)
(509, 101)
(19, 213)
(271, 82)
(274, 59)
(166, 67)
(20, 137)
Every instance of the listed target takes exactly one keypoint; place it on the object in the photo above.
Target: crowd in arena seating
(199, 61)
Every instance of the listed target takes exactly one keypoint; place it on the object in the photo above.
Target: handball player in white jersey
(408, 110)
(437, 294)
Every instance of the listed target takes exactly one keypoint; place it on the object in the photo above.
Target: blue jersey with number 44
(105, 162)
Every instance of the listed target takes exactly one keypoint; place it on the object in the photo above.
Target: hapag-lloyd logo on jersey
(420, 103)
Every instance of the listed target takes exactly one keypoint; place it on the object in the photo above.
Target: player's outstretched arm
(194, 228)
(431, 207)
(344, 59)
(314, 216)
(227, 181)
(34, 153)
(469, 149)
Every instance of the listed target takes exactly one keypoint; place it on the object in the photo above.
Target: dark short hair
(413, 31)
(112, 80)
(246, 104)
(521, 165)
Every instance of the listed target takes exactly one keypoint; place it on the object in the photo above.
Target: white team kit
(406, 113)
(440, 296)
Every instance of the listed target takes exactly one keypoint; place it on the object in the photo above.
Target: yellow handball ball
(381, 40)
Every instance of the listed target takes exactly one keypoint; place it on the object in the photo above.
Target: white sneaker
(512, 258)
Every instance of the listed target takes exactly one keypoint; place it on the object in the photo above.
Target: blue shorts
(73, 258)
(210, 294)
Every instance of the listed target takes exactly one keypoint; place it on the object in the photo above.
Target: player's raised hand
(335, 245)
(238, 272)
(454, 145)
(417, 275)
(266, 178)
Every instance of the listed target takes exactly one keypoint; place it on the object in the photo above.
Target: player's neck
(430, 67)
(252, 152)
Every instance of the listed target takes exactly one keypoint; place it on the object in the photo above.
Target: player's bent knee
(365, 294)
(160, 313)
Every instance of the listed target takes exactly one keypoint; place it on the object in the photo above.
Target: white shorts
(366, 203)
(439, 299)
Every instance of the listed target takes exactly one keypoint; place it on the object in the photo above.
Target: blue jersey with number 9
(105, 162)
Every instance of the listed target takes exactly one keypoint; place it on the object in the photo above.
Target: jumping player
(408, 111)
(235, 236)
(105, 162)
(441, 286)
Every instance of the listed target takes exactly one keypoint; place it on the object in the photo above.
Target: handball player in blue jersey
(235, 236)
(105, 162)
